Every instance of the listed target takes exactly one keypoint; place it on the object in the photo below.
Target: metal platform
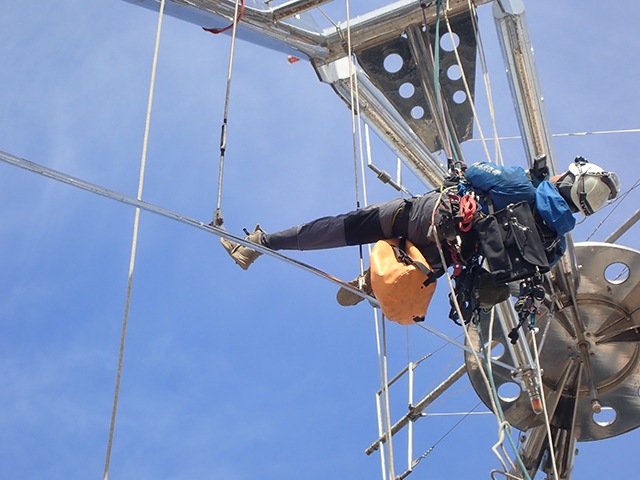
(589, 356)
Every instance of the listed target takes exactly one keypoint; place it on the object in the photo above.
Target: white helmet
(588, 186)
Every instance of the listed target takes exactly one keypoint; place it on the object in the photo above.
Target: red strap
(468, 207)
(220, 30)
(457, 266)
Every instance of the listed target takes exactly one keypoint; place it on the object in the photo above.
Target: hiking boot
(244, 256)
(347, 298)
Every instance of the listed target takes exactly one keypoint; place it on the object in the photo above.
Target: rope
(382, 383)
(487, 80)
(494, 396)
(218, 219)
(387, 401)
(134, 244)
(487, 379)
(435, 61)
(618, 202)
(357, 139)
(237, 17)
(468, 90)
(487, 356)
(544, 407)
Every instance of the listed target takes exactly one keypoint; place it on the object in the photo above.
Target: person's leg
(366, 225)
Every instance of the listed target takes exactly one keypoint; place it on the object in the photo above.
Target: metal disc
(608, 300)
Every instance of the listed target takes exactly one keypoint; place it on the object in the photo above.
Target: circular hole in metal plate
(406, 90)
(448, 40)
(497, 349)
(606, 417)
(393, 63)
(616, 273)
(417, 112)
(509, 392)
(454, 72)
(459, 97)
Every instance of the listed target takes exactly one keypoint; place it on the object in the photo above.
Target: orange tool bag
(402, 280)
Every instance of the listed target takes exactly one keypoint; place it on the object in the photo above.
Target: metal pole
(392, 128)
(105, 192)
(389, 22)
(295, 7)
(410, 429)
(520, 63)
(624, 228)
(421, 405)
(521, 356)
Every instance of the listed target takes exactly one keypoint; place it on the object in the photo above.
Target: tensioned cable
(486, 348)
(503, 424)
(435, 382)
(90, 187)
(435, 61)
(488, 383)
(575, 134)
(445, 435)
(217, 216)
(382, 356)
(468, 90)
(355, 108)
(617, 202)
(133, 246)
(337, 27)
(487, 80)
(105, 192)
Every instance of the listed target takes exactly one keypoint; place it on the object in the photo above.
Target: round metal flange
(593, 353)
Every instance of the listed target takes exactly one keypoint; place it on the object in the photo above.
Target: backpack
(512, 244)
(402, 280)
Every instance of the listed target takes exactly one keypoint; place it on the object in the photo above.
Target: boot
(244, 256)
(347, 298)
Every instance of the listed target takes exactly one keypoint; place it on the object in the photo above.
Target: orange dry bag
(402, 280)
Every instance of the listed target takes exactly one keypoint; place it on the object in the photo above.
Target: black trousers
(408, 218)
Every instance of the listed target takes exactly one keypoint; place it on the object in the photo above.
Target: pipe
(220, 232)
(421, 405)
(624, 228)
(295, 7)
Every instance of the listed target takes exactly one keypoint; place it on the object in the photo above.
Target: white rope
(467, 89)
(495, 407)
(218, 220)
(382, 383)
(544, 406)
(490, 373)
(487, 82)
(357, 140)
(353, 112)
(387, 401)
(133, 246)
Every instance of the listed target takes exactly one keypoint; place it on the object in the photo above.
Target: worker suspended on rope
(584, 188)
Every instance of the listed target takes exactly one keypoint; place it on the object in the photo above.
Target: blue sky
(233, 374)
